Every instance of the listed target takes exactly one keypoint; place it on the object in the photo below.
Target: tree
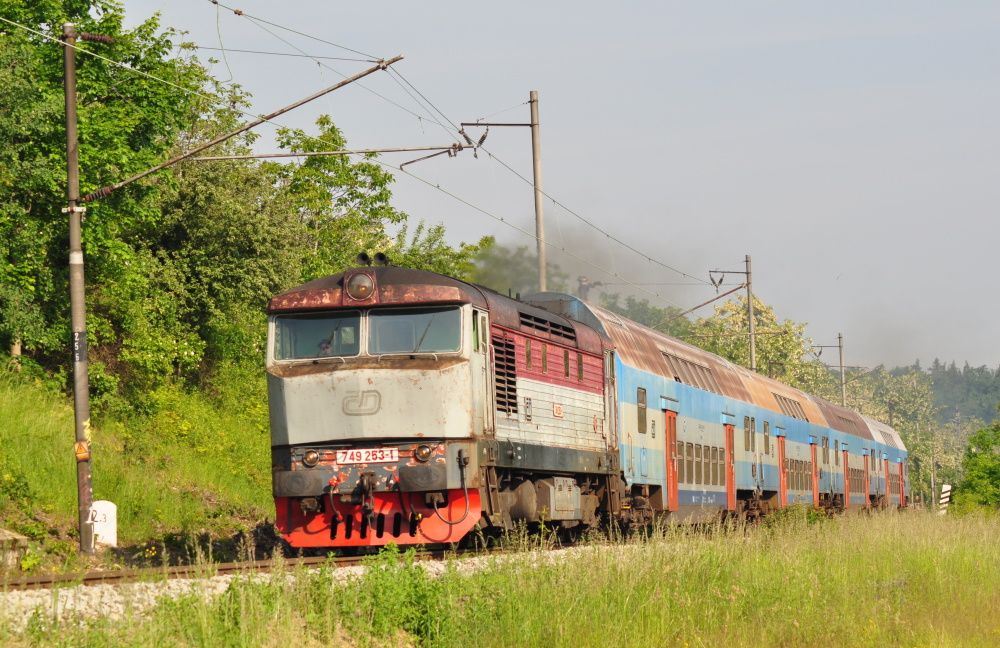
(513, 270)
(783, 349)
(126, 123)
(180, 266)
(981, 467)
(665, 320)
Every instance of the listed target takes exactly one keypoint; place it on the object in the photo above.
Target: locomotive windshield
(339, 334)
(321, 335)
(423, 330)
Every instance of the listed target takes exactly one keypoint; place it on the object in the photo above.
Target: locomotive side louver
(505, 374)
(544, 325)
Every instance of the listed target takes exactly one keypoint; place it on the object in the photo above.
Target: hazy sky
(853, 148)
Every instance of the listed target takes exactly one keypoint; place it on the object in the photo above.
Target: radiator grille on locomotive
(505, 372)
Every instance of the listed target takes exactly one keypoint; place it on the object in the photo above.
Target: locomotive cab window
(415, 330)
(322, 335)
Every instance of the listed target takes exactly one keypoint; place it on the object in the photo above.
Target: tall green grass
(885, 580)
(194, 464)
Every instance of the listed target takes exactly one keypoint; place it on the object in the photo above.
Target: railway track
(121, 576)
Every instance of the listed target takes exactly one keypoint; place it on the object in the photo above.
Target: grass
(197, 466)
(896, 579)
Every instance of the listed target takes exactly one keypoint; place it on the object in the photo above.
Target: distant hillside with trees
(969, 392)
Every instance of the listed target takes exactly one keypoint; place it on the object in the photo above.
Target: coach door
(902, 485)
(671, 459)
(885, 472)
(730, 468)
(864, 481)
(847, 477)
(782, 471)
(814, 471)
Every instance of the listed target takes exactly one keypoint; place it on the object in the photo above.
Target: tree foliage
(513, 271)
(179, 266)
(980, 485)
(665, 320)
(783, 350)
(967, 392)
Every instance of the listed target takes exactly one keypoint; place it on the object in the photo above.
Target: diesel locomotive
(409, 407)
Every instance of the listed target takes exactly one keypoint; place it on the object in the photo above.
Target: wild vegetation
(179, 269)
(793, 582)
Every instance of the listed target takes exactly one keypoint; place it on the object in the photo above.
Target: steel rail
(208, 570)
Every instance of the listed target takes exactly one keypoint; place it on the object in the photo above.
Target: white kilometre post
(945, 499)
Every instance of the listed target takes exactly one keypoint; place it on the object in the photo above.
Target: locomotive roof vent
(546, 325)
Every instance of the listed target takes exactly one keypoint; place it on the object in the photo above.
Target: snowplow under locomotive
(413, 408)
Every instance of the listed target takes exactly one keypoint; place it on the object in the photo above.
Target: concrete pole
(536, 159)
(843, 378)
(750, 318)
(78, 315)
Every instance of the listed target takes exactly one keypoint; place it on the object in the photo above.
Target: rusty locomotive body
(413, 408)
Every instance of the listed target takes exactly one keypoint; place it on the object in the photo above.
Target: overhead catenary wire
(233, 50)
(555, 202)
(452, 124)
(240, 12)
(520, 229)
(222, 46)
(260, 24)
(591, 224)
(500, 112)
(436, 186)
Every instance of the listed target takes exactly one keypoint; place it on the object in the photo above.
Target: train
(413, 408)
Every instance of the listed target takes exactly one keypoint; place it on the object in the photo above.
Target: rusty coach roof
(650, 350)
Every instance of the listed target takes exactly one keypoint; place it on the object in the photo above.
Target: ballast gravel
(124, 599)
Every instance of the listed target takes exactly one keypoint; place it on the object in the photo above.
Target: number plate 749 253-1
(367, 456)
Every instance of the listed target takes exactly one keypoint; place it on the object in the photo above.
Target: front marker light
(310, 458)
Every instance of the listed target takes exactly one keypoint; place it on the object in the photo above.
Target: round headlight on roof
(360, 287)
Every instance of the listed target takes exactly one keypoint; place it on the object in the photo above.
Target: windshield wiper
(424, 334)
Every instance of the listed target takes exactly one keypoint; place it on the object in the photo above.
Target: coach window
(715, 466)
(579, 367)
(566, 363)
(697, 465)
(690, 462)
(722, 467)
(746, 433)
(527, 352)
(836, 452)
(678, 452)
(640, 397)
(545, 357)
(753, 434)
(475, 331)
(767, 438)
